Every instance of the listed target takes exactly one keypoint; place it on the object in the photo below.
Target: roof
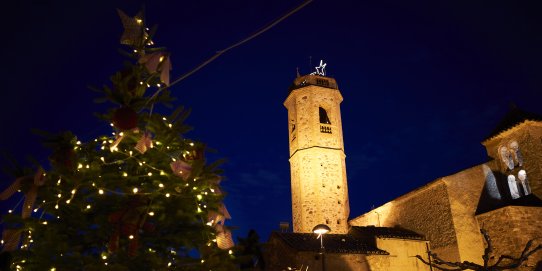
(386, 232)
(359, 240)
(486, 205)
(514, 117)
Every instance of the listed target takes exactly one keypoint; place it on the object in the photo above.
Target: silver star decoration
(320, 70)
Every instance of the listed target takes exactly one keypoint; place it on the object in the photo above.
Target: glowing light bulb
(88, 206)
(131, 237)
(150, 173)
(124, 174)
(151, 213)
(73, 191)
(161, 185)
(199, 197)
(135, 190)
(101, 191)
(167, 195)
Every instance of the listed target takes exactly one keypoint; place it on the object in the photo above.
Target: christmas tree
(142, 199)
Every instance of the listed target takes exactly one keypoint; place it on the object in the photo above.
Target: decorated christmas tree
(141, 199)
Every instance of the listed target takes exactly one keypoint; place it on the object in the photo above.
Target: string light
(101, 191)
(131, 237)
(88, 206)
(151, 213)
(161, 185)
(167, 195)
(150, 173)
(135, 190)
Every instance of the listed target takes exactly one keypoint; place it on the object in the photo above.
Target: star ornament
(321, 70)
(133, 28)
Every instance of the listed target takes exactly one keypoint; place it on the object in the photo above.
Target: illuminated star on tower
(321, 70)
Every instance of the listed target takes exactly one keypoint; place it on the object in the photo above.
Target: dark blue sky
(423, 83)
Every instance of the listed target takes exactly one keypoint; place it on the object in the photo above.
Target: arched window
(506, 157)
(513, 186)
(522, 176)
(516, 154)
(323, 116)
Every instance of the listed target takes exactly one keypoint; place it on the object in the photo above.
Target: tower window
(323, 116)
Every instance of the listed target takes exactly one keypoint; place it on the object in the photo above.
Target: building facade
(445, 216)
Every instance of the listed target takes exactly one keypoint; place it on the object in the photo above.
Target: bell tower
(317, 159)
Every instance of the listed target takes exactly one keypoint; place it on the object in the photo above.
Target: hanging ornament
(181, 169)
(129, 222)
(133, 28)
(158, 62)
(64, 158)
(191, 155)
(144, 143)
(12, 237)
(125, 118)
(224, 239)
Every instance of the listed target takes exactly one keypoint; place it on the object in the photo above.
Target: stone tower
(317, 159)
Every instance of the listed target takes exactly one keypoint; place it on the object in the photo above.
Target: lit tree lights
(141, 199)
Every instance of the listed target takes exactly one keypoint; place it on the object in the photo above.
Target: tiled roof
(333, 243)
(514, 117)
(359, 240)
(386, 232)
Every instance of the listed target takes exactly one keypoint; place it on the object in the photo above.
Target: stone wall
(510, 228)
(403, 253)
(464, 190)
(425, 211)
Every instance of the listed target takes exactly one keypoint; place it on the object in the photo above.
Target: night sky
(423, 84)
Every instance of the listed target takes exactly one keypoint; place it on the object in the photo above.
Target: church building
(445, 216)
